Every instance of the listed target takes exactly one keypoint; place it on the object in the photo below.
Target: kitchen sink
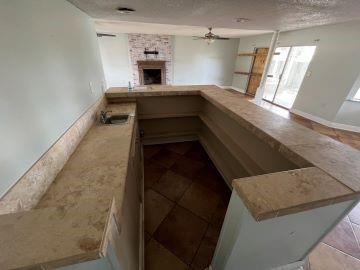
(115, 119)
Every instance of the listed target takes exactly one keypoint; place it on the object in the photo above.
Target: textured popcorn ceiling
(263, 14)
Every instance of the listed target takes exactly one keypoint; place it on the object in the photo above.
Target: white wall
(116, 61)
(349, 114)
(49, 53)
(334, 67)
(195, 62)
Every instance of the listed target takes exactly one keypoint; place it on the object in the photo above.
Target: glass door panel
(295, 69)
(275, 70)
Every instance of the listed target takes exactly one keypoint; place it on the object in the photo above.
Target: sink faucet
(103, 116)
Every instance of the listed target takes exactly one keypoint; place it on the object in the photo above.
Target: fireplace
(152, 76)
(152, 72)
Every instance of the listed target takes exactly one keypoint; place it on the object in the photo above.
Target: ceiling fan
(210, 37)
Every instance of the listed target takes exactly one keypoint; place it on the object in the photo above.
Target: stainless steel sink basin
(114, 119)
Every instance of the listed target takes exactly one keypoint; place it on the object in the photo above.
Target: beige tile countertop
(69, 223)
(155, 90)
(295, 191)
(335, 165)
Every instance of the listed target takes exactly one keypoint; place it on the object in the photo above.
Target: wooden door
(256, 70)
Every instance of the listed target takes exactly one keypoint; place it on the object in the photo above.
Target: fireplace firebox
(152, 72)
(152, 76)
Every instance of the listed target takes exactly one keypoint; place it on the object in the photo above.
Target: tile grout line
(169, 170)
(172, 208)
(340, 251)
(152, 238)
(352, 228)
(201, 241)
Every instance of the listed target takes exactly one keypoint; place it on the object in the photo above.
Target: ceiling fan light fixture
(210, 37)
(124, 10)
(209, 40)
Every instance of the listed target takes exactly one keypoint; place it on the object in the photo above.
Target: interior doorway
(288, 68)
(256, 71)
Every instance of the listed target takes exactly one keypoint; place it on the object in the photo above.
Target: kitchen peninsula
(286, 179)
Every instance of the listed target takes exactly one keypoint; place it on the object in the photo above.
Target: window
(357, 95)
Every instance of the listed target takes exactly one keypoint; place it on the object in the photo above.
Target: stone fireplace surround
(139, 61)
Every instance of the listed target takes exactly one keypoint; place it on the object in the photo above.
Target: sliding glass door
(287, 70)
(275, 71)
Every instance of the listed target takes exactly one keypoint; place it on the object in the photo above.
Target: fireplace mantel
(152, 64)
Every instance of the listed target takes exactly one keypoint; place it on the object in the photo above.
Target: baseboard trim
(223, 86)
(345, 127)
(312, 117)
(326, 122)
(299, 265)
(170, 139)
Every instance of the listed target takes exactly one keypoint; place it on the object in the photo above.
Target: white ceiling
(263, 14)
(106, 26)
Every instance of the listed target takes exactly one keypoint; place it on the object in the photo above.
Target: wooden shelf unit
(254, 75)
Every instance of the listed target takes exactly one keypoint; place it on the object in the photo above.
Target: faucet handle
(104, 113)
(103, 116)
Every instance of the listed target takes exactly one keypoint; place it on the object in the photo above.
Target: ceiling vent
(124, 10)
(242, 20)
(105, 35)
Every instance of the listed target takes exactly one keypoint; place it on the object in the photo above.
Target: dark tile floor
(185, 205)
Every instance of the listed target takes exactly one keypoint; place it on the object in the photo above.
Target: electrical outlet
(91, 88)
(103, 86)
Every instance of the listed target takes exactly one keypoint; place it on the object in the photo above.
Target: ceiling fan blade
(222, 38)
(195, 38)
